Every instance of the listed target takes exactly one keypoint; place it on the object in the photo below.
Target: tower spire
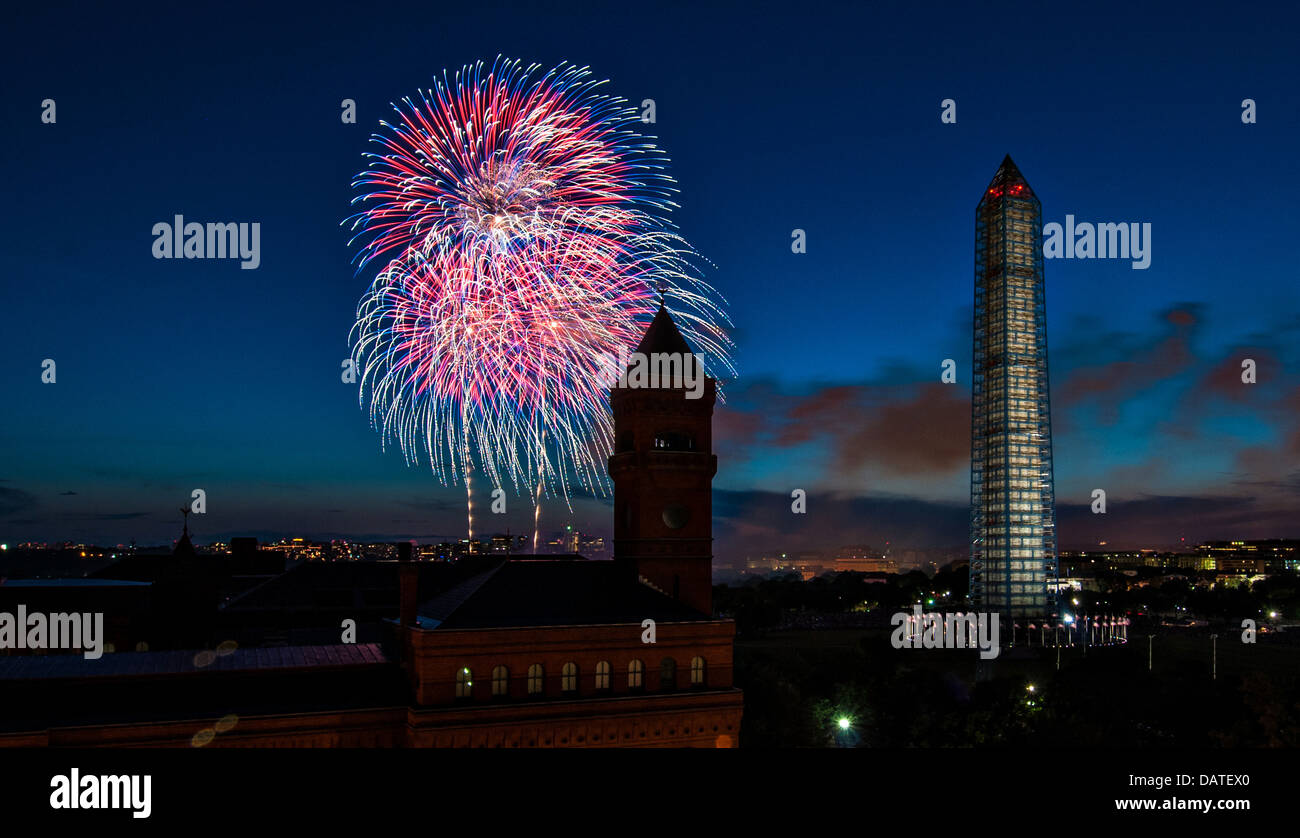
(663, 336)
(662, 467)
(1008, 180)
(184, 547)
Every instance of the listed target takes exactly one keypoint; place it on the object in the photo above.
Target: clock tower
(663, 466)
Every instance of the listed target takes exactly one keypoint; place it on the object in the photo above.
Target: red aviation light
(1015, 189)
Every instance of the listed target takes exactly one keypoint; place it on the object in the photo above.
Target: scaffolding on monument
(1013, 506)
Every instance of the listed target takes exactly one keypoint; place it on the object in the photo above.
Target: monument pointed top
(1008, 180)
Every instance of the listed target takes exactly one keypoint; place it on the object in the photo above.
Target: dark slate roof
(144, 567)
(155, 567)
(317, 585)
(435, 611)
(552, 593)
(65, 582)
(663, 336)
(67, 690)
(118, 664)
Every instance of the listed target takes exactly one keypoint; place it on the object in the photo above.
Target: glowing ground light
(519, 221)
(844, 723)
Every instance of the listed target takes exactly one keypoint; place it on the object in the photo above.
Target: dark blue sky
(174, 375)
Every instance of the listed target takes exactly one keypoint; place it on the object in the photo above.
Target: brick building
(489, 652)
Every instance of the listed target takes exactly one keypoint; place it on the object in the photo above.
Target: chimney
(409, 585)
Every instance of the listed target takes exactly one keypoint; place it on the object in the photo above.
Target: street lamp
(843, 735)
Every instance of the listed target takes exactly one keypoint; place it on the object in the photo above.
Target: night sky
(174, 375)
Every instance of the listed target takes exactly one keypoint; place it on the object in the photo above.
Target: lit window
(697, 671)
(569, 677)
(500, 681)
(535, 673)
(602, 675)
(464, 682)
(635, 670)
(674, 441)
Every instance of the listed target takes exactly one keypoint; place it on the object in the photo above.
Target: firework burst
(521, 221)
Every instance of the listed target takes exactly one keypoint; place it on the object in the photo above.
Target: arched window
(635, 670)
(464, 682)
(569, 677)
(602, 675)
(500, 681)
(535, 675)
(668, 674)
(697, 671)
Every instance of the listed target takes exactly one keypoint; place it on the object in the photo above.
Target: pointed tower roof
(1008, 181)
(184, 547)
(663, 336)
